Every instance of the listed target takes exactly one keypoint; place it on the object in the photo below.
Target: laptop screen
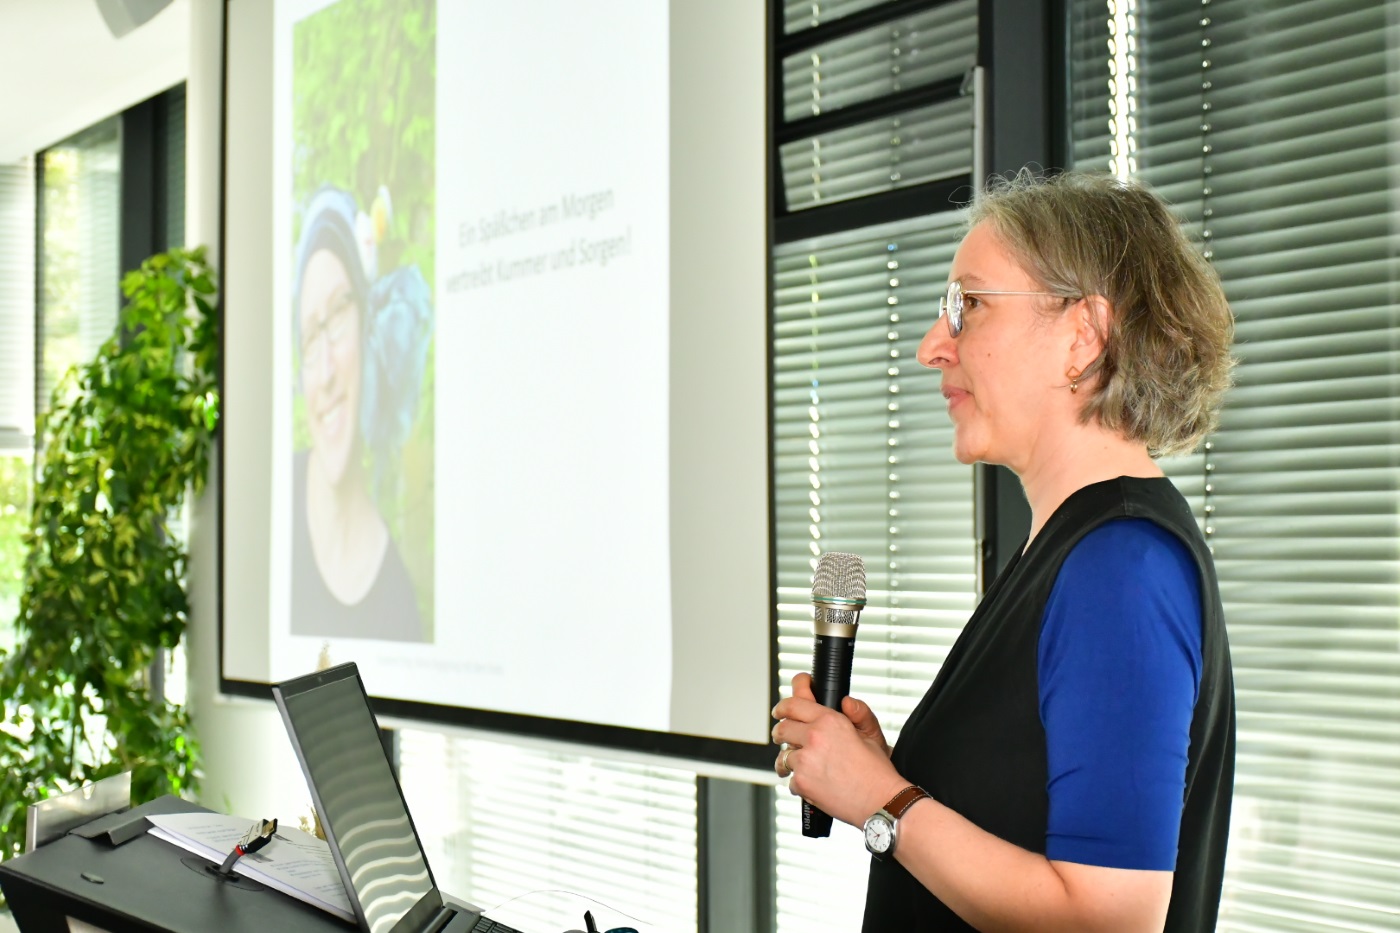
(357, 796)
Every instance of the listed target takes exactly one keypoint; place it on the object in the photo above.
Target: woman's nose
(938, 348)
(318, 361)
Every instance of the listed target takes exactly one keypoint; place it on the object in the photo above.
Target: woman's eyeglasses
(332, 328)
(951, 304)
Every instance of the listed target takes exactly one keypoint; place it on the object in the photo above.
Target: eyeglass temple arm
(992, 291)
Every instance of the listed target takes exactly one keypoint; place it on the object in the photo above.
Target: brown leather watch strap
(904, 800)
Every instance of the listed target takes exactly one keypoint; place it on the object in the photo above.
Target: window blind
(553, 834)
(17, 307)
(806, 14)
(80, 201)
(1274, 122)
(173, 102)
(878, 155)
(17, 219)
(926, 141)
(863, 463)
(908, 52)
(862, 445)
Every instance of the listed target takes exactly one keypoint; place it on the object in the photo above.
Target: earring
(1073, 376)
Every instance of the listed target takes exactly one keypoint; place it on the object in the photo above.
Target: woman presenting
(1072, 764)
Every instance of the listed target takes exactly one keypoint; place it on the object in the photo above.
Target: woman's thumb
(859, 714)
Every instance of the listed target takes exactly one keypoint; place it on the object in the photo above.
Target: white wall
(64, 71)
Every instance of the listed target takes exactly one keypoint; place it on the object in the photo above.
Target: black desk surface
(146, 886)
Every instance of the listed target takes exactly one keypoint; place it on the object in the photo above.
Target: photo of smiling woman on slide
(362, 343)
(361, 174)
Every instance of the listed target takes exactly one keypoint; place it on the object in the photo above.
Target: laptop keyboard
(484, 925)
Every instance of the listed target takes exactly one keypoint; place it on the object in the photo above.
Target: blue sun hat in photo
(329, 222)
(396, 323)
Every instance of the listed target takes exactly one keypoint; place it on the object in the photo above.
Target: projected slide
(474, 333)
(496, 371)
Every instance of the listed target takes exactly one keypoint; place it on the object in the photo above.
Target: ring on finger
(783, 765)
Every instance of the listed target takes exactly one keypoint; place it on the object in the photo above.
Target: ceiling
(62, 70)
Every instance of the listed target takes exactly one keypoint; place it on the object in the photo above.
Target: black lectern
(145, 885)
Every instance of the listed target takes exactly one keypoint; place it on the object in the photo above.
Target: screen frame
(693, 750)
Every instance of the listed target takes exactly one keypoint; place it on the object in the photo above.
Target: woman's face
(330, 361)
(1003, 375)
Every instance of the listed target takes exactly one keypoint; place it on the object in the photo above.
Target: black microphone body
(838, 593)
(831, 667)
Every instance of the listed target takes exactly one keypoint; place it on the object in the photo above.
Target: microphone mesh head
(839, 576)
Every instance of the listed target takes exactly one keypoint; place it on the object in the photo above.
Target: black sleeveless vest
(976, 743)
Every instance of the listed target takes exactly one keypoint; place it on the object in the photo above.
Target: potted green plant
(127, 437)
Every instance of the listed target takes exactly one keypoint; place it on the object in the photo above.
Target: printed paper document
(293, 862)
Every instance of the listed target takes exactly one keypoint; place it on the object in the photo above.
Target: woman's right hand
(836, 759)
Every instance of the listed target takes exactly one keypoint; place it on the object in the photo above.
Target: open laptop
(371, 835)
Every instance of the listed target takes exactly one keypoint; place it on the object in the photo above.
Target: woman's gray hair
(1166, 358)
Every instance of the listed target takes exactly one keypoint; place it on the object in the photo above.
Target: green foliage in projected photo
(364, 76)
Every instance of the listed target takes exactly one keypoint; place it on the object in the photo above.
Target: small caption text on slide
(556, 237)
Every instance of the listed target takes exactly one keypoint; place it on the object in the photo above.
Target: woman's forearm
(999, 887)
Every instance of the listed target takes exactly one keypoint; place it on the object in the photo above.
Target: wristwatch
(882, 829)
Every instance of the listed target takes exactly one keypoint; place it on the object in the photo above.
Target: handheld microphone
(838, 595)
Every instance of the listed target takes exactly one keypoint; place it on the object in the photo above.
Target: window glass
(79, 297)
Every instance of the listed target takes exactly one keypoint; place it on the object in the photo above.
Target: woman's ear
(1091, 316)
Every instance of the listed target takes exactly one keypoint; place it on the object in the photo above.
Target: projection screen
(496, 366)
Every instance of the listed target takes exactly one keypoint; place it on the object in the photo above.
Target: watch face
(878, 834)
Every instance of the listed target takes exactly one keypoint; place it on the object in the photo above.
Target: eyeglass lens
(332, 328)
(952, 306)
